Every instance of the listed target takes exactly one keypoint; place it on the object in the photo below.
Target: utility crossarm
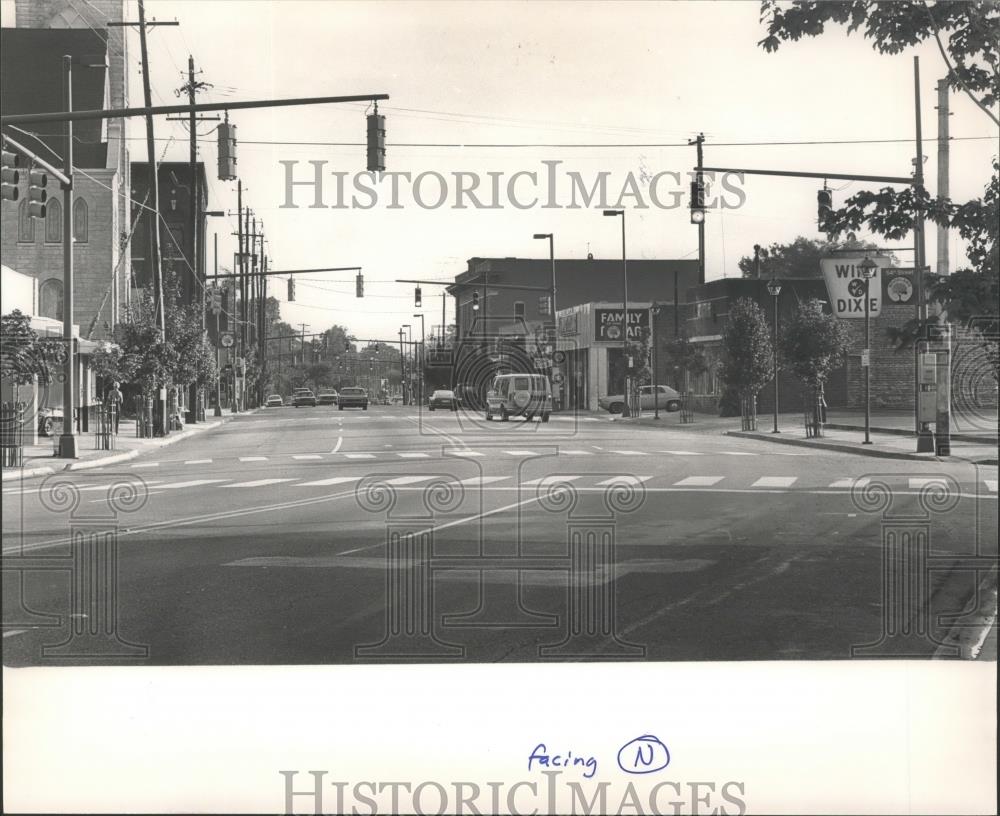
(299, 336)
(796, 174)
(286, 272)
(157, 110)
(48, 168)
(479, 283)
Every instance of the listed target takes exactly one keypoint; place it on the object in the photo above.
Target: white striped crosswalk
(258, 483)
(699, 481)
(327, 482)
(775, 481)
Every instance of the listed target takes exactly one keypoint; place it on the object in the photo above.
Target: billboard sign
(845, 285)
(900, 286)
(608, 324)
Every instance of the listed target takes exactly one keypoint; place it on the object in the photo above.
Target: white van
(527, 395)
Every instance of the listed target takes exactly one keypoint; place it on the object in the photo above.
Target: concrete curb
(31, 473)
(959, 437)
(969, 638)
(838, 446)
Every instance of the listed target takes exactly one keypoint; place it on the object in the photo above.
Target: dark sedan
(443, 399)
(352, 398)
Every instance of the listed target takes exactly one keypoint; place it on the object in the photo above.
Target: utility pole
(698, 141)
(218, 335)
(155, 269)
(241, 267)
(925, 442)
(195, 391)
(67, 438)
(943, 178)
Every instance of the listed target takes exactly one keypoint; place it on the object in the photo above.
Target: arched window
(80, 221)
(51, 299)
(53, 221)
(25, 223)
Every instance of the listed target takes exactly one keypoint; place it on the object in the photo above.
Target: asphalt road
(265, 541)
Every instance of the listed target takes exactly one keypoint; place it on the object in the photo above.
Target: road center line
(340, 441)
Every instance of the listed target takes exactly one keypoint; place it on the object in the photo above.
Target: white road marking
(106, 486)
(404, 480)
(306, 456)
(198, 462)
(360, 455)
(575, 453)
(628, 453)
(736, 453)
(520, 453)
(12, 632)
(253, 458)
(917, 484)
(481, 480)
(192, 483)
(258, 483)
(413, 455)
(682, 453)
(146, 464)
(554, 479)
(850, 482)
(334, 481)
(465, 453)
(991, 485)
(775, 481)
(340, 441)
(624, 480)
(699, 481)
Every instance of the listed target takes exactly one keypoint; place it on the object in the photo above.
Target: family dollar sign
(845, 284)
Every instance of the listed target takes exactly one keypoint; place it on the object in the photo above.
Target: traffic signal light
(545, 305)
(824, 205)
(475, 301)
(227, 151)
(359, 286)
(11, 178)
(37, 194)
(376, 143)
(698, 200)
(376, 348)
(417, 299)
(291, 289)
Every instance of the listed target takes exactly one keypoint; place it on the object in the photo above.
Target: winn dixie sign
(845, 284)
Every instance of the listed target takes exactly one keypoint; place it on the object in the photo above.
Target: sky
(615, 78)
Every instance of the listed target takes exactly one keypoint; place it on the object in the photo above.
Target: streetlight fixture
(612, 214)
(868, 269)
(421, 359)
(539, 236)
(774, 289)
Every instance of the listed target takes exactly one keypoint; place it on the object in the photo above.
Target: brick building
(32, 82)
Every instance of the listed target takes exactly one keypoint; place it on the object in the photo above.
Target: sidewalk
(978, 430)
(40, 461)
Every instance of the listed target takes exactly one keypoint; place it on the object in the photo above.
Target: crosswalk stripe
(775, 481)
(520, 452)
(624, 480)
(360, 455)
(576, 453)
(481, 480)
(198, 462)
(736, 453)
(629, 453)
(917, 484)
(306, 456)
(682, 453)
(253, 458)
(326, 482)
(192, 483)
(146, 464)
(106, 486)
(991, 485)
(465, 453)
(850, 482)
(257, 483)
(413, 455)
(405, 480)
(699, 481)
(554, 479)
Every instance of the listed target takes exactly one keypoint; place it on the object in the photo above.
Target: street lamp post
(868, 268)
(421, 358)
(625, 408)
(409, 348)
(774, 289)
(552, 283)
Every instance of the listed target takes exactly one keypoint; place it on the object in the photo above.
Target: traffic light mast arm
(48, 168)
(796, 174)
(287, 272)
(478, 283)
(157, 110)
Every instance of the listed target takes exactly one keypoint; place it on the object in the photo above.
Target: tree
(799, 259)
(812, 344)
(685, 357)
(23, 355)
(747, 352)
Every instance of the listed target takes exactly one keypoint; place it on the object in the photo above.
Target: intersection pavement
(265, 540)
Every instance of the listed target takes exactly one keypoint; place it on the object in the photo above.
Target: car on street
(327, 398)
(303, 396)
(353, 398)
(274, 401)
(527, 395)
(443, 398)
(667, 397)
(397, 400)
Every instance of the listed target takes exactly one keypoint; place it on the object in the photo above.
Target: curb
(31, 473)
(959, 437)
(840, 447)
(969, 638)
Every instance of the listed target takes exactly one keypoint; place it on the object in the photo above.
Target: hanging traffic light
(698, 200)
(11, 178)
(475, 301)
(376, 142)
(227, 150)
(359, 286)
(545, 305)
(37, 194)
(417, 299)
(824, 206)
(291, 289)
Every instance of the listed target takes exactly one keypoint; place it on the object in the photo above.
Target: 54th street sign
(845, 284)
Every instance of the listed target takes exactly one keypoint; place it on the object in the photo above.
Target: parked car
(443, 399)
(667, 397)
(353, 398)
(527, 395)
(303, 396)
(274, 401)
(327, 398)
(397, 400)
